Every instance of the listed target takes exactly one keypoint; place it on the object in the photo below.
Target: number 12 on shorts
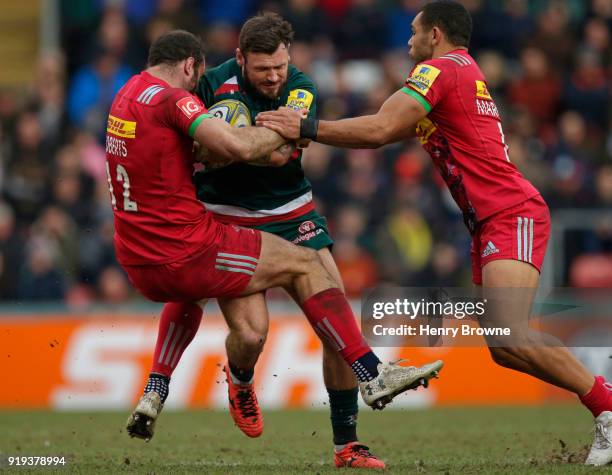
(122, 177)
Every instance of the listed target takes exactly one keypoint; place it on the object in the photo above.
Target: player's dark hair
(175, 46)
(451, 17)
(264, 33)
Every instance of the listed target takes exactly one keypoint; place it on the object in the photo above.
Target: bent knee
(251, 339)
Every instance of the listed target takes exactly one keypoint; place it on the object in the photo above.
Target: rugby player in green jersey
(274, 197)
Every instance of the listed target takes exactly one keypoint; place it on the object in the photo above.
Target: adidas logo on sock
(490, 249)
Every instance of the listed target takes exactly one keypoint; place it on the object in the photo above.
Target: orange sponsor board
(101, 362)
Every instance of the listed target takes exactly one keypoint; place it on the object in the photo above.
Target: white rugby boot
(601, 450)
(141, 422)
(394, 379)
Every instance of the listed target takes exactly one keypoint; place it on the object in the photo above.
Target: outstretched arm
(396, 120)
(244, 144)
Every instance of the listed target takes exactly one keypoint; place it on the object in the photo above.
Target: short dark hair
(175, 46)
(452, 18)
(264, 33)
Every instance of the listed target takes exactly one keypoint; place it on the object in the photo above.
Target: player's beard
(258, 92)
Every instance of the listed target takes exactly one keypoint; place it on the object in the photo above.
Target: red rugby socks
(331, 316)
(599, 398)
(178, 325)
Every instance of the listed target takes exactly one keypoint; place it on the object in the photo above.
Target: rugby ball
(234, 112)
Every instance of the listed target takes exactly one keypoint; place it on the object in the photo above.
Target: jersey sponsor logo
(189, 106)
(306, 226)
(300, 99)
(487, 108)
(482, 91)
(307, 230)
(307, 236)
(120, 127)
(422, 78)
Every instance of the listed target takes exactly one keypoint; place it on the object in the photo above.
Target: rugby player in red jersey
(174, 251)
(445, 101)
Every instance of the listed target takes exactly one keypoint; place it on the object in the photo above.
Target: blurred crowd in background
(548, 66)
